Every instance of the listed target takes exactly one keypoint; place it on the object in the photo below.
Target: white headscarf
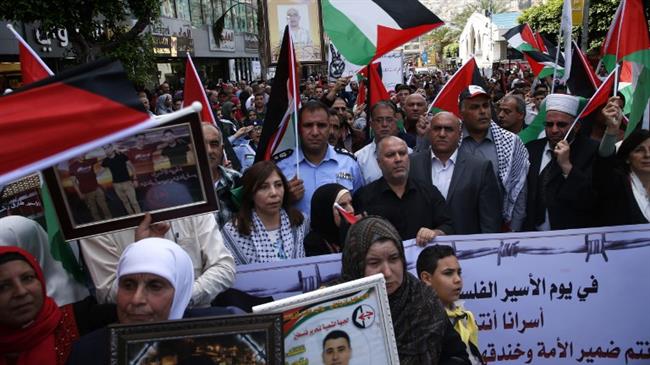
(31, 237)
(166, 259)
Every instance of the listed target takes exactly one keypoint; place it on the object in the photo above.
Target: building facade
(482, 38)
(185, 26)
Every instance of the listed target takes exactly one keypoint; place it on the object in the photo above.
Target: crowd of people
(399, 171)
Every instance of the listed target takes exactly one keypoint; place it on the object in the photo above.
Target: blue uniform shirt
(338, 166)
(245, 153)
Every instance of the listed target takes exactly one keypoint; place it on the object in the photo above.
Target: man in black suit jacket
(468, 184)
(560, 193)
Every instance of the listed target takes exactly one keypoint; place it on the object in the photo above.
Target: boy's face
(445, 280)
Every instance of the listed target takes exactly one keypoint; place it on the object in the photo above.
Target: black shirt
(117, 165)
(420, 206)
(177, 154)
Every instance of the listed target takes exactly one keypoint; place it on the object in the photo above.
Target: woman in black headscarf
(423, 331)
(328, 227)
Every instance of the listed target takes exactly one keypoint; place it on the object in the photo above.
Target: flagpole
(604, 84)
(618, 46)
(26, 45)
(295, 97)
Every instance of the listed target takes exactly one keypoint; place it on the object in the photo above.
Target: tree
(545, 18)
(96, 28)
(451, 50)
(481, 6)
(439, 38)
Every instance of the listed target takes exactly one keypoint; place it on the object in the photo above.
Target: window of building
(183, 9)
(207, 12)
(196, 13)
(167, 9)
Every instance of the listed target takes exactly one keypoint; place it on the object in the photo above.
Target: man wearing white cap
(484, 139)
(560, 194)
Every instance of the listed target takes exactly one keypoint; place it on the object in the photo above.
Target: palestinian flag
(628, 36)
(372, 82)
(279, 134)
(599, 98)
(193, 91)
(364, 30)
(34, 69)
(447, 99)
(542, 43)
(543, 64)
(522, 38)
(583, 80)
(536, 127)
(88, 107)
(628, 40)
(535, 50)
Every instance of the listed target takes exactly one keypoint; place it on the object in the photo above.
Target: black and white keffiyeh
(513, 166)
(258, 246)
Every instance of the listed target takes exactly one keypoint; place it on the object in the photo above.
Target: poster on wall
(349, 323)
(303, 18)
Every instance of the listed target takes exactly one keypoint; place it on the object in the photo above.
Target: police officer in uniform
(319, 163)
(246, 148)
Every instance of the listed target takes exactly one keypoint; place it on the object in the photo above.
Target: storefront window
(195, 11)
(183, 9)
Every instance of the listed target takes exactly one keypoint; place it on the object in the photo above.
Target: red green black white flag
(364, 30)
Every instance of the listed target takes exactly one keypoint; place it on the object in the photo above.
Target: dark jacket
(570, 201)
(474, 198)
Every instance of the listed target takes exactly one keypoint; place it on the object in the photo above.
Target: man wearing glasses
(560, 194)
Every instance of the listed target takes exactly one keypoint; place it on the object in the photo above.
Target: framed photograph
(246, 339)
(348, 323)
(163, 170)
(304, 18)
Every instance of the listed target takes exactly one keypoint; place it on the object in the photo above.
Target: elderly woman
(423, 332)
(155, 278)
(33, 329)
(266, 228)
(622, 178)
(328, 228)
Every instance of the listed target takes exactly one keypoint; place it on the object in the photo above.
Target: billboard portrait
(303, 18)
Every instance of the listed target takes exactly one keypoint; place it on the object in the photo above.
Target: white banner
(560, 297)
(391, 67)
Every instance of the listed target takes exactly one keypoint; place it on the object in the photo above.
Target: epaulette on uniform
(282, 155)
(343, 151)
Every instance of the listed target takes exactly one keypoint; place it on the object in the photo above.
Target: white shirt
(367, 159)
(441, 174)
(546, 157)
(640, 195)
(199, 236)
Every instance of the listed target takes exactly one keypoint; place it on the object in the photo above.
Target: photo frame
(305, 17)
(356, 312)
(162, 170)
(242, 339)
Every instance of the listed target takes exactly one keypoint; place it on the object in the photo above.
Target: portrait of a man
(336, 348)
(302, 17)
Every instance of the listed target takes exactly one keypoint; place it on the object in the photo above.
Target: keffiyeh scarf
(513, 166)
(258, 247)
